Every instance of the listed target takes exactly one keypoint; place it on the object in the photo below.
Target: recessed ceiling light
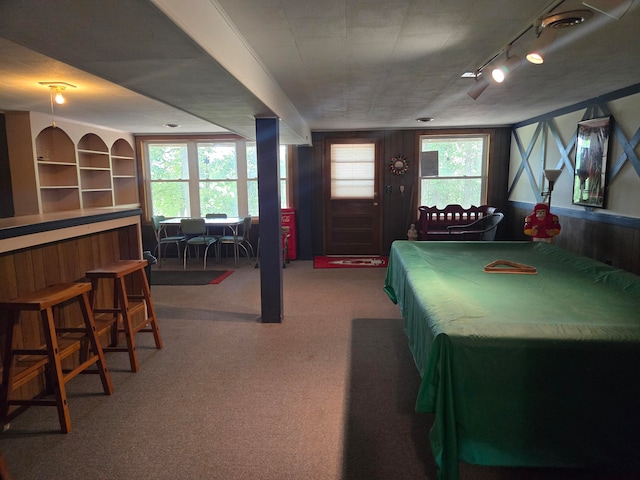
(469, 75)
(424, 119)
(172, 125)
(566, 19)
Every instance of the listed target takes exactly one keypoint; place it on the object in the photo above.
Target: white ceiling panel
(339, 64)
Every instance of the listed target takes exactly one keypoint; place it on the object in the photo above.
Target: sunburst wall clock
(399, 165)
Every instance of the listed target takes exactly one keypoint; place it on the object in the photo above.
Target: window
(218, 178)
(252, 177)
(353, 170)
(169, 168)
(452, 170)
(192, 178)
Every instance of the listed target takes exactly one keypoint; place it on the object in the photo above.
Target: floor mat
(350, 261)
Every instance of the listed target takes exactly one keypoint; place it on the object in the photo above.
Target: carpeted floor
(188, 277)
(385, 439)
(327, 394)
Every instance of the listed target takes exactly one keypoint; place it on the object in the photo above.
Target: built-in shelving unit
(123, 168)
(68, 166)
(57, 171)
(95, 172)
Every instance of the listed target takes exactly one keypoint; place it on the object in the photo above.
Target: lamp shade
(552, 175)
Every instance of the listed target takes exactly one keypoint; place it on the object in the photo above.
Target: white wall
(548, 138)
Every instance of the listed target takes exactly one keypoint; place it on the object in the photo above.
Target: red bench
(433, 222)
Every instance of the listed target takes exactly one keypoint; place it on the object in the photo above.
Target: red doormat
(350, 261)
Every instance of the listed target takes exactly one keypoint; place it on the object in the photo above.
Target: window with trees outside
(453, 170)
(193, 178)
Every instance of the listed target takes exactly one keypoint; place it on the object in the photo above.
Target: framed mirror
(592, 152)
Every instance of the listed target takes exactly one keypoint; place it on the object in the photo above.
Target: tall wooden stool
(128, 276)
(24, 364)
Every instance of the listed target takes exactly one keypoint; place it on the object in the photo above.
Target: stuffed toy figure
(542, 225)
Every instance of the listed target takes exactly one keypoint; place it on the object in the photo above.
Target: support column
(268, 146)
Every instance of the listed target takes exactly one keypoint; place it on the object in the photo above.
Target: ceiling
(214, 66)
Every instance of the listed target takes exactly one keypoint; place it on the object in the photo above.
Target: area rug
(350, 261)
(188, 277)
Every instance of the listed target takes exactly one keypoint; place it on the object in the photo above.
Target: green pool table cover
(521, 370)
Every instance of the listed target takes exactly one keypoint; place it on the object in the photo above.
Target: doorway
(352, 196)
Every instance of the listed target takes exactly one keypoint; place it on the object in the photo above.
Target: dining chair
(163, 239)
(195, 230)
(241, 240)
(216, 231)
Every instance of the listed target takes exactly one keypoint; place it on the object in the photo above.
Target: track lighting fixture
(541, 46)
(547, 30)
(480, 85)
(546, 26)
(511, 64)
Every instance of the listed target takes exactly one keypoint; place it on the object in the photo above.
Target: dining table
(232, 223)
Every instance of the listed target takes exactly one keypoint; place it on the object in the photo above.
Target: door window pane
(353, 170)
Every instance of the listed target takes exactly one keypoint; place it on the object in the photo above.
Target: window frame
(484, 175)
(142, 146)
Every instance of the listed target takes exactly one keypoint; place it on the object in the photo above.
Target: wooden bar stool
(22, 364)
(119, 316)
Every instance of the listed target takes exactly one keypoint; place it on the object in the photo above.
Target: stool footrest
(59, 342)
(34, 401)
(131, 299)
(25, 369)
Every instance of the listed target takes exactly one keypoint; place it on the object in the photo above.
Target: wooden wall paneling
(38, 269)
(316, 187)
(95, 251)
(400, 207)
(85, 254)
(105, 290)
(9, 288)
(51, 265)
(109, 249)
(61, 261)
(616, 245)
(69, 265)
(25, 279)
(399, 211)
(129, 246)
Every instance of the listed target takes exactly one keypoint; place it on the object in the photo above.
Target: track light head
(541, 46)
(479, 85)
(508, 67)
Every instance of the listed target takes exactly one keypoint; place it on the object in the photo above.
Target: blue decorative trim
(623, 92)
(592, 215)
